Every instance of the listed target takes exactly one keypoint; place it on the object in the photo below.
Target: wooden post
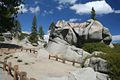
(9, 68)
(26, 50)
(30, 50)
(63, 60)
(21, 49)
(73, 63)
(56, 58)
(34, 51)
(8, 49)
(15, 72)
(4, 65)
(23, 76)
(49, 56)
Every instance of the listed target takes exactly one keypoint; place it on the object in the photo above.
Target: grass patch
(19, 60)
(7, 57)
(2, 39)
(26, 63)
(11, 56)
(112, 56)
(15, 57)
(6, 53)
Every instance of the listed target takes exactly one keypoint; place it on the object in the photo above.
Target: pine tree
(93, 14)
(33, 36)
(18, 27)
(41, 32)
(34, 26)
(52, 26)
(8, 13)
(16, 31)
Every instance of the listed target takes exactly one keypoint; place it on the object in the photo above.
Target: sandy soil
(38, 65)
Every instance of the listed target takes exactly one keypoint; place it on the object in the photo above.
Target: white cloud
(34, 9)
(66, 1)
(116, 37)
(117, 11)
(45, 12)
(22, 8)
(60, 7)
(101, 7)
(74, 20)
(50, 12)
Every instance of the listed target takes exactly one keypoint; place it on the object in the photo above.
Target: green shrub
(32, 38)
(26, 63)
(2, 39)
(15, 57)
(45, 45)
(91, 47)
(113, 64)
(112, 56)
(22, 36)
(19, 60)
(7, 57)
(6, 53)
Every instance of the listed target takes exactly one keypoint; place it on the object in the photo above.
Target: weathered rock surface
(82, 74)
(65, 41)
(98, 64)
(63, 50)
(78, 33)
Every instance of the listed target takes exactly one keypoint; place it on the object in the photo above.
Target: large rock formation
(82, 74)
(77, 33)
(98, 64)
(67, 38)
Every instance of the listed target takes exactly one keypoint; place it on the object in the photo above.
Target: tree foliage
(16, 31)
(23, 36)
(52, 26)
(8, 13)
(93, 14)
(112, 56)
(41, 32)
(33, 36)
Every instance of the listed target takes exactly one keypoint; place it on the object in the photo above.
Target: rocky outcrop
(63, 50)
(98, 64)
(78, 33)
(65, 41)
(82, 74)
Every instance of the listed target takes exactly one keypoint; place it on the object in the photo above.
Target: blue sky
(108, 13)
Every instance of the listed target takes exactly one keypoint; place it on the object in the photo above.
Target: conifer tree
(41, 32)
(8, 13)
(33, 36)
(93, 14)
(52, 26)
(16, 31)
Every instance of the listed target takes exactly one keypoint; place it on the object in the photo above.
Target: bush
(15, 57)
(19, 60)
(91, 47)
(112, 56)
(45, 45)
(113, 60)
(22, 36)
(33, 39)
(2, 39)
(26, 63)
(6, 53)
